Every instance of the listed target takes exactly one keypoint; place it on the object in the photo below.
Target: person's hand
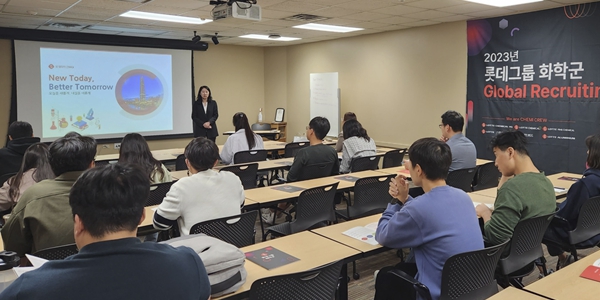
(207, 125)
(484, 212)
(504, 179)
(406, 163)
(399, 188)
(443, 139)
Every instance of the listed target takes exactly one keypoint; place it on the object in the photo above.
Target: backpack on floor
(224, 262)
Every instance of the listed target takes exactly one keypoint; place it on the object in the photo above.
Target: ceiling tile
(466, 8)
(362, 5)
(435, 4)
(335, 11)
(397, 20)
(399, 10)
(430, 14)
(367, 16)
(453, 18)
(296, 7)
(421, 23)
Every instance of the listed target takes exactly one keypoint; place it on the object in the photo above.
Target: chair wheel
(356, 276)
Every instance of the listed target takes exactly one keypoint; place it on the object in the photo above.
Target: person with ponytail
(34, 168)
(356, 144)
(243, 139)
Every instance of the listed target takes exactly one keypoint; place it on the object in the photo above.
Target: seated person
(585, 188)
(464, 154)
(35, 168)
(317, 152)
(428, 223)
(242, 140)
(356, 144)
(340, 142)
(20, 137)
(107, 205)
(134, 149)
(523, 192)
(204, 195)
(42, 219)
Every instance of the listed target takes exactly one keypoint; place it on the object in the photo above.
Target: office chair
(237, 230)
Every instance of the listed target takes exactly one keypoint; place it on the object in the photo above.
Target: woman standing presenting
(204, 114)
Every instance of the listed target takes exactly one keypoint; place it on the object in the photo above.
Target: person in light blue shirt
(242, 140)
(436, 225)
(464, 154)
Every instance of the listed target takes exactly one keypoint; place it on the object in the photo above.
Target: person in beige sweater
(34, 168)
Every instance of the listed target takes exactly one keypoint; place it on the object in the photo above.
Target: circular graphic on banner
(139, 92)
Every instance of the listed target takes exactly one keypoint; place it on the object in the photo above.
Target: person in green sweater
(523, 192)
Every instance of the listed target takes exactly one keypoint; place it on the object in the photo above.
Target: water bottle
(259, 115)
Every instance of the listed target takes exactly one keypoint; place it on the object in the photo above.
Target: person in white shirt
(243, 139)
(356, 144)
(204, 195)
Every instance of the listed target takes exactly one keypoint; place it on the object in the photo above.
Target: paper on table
(34, 260)
(491, 206)
(361, 233)
(372, 226)
(559, 190)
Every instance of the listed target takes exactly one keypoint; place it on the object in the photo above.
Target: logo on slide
(51, 66)
(139, 92)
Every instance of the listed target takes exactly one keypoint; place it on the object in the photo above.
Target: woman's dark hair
(201, 153)
(240, 121)
(593, 144)
(199, 98)
(36, 156)
(135, 150)
(349, 116)
(353, 128)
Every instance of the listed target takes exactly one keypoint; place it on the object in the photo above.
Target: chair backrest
(5, 177)
(315, 206)
(487, 176)
(371, 196)
(461, 179)
(99, 163)
(291, 149)
(393, 158)
(237, 230)
(316, 171)
(261, 126)
(316, 284)
(364, 163)
(180, 163)
(470, 275)
(246, 173)
(249, 156)
(525, 244)
(158, 192)
(588, 222)
(57, 253)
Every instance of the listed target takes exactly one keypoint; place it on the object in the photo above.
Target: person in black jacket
(20, 137)
(204, 114)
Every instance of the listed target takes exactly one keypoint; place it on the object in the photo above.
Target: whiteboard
(325, 99)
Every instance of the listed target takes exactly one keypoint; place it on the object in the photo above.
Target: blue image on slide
(139, 92)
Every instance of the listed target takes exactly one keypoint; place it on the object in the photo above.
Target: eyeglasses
(441, 125)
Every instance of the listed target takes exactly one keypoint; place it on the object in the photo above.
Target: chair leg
(544, 269)
(355, 274)
(516, 282)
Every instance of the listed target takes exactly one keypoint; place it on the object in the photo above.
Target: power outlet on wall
(117, 145)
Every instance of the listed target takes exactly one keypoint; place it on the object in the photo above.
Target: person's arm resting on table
(168, 211)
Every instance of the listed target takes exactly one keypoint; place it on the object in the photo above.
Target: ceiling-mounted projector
(236, 12)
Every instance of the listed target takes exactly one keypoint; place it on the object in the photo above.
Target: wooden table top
(566, 184)
(259, 132)
(566, 283)
(512, 293)
(334, 232)
(481, 161)
(312, 249)
(269, 194)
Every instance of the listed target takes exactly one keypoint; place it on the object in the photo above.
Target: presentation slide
(103, 91)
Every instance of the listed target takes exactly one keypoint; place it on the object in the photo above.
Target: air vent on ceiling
(65, 25)
(305, 18)
(136, 1)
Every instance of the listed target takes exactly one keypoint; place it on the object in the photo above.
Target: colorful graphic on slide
(139, 92)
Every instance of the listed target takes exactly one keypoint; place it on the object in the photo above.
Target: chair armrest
(419, 287)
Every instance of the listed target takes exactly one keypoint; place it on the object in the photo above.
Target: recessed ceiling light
(503, 3)
(331, 28)
(163, 17)
(266, 37)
